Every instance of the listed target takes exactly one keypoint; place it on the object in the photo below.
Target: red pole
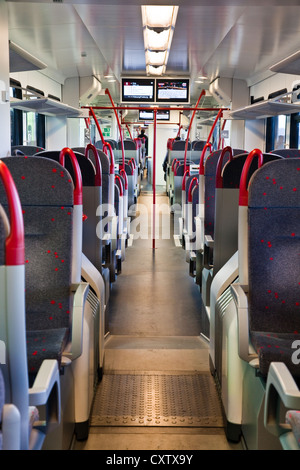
(189, 129)
(97, 125)
(119, 125)
(214, 124)
(153, 178)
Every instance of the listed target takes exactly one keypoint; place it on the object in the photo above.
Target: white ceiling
(216, 38)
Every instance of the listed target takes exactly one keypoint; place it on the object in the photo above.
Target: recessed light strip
(158, 25)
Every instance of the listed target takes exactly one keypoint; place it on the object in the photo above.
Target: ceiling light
(155, 57)
(157, 40)
(155, 69)
(158, 27)
(159, 16)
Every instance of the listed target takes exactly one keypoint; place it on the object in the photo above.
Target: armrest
(80, 291)
(46, 391)
(239, 293)
(280, 388)
(11, 427)
(208, 251)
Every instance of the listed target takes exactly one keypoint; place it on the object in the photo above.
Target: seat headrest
(40, 181)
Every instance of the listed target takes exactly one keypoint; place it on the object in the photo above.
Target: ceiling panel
(238, 40)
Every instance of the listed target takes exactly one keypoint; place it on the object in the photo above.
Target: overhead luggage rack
(49, 107)
(283, 104)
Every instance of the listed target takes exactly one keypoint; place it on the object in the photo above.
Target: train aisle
(157, 392)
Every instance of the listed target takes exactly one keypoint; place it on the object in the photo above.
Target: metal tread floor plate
(157, 400)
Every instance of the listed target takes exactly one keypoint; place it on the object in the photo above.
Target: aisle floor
(154, 339)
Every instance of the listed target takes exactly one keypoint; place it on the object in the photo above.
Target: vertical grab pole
(220, 138)
(153, 178)
(189, 129)
(92, 112)
(119, 125)
(214, 124)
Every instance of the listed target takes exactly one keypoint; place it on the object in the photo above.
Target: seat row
(74, 216)
(240, 228)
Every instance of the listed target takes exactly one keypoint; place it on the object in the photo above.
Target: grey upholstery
(274, 268)
(287, 153)
(46, 193)
(210, 167)
(25, 149)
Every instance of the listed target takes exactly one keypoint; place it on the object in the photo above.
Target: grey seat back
(25, 149)
(46, 193)
(274, 267)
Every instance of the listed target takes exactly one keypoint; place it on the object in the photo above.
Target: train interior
(149, 226)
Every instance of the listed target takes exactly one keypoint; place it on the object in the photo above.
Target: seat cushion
(275, 347)
(45, 344)
(293, 419)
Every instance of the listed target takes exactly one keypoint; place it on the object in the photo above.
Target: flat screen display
(163, 115)
(149, 115)
(172, 91)
(138, 90)
(146, 115)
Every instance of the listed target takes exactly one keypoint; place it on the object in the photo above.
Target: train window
(16, 123)
(276, 133)
(33, 123)
(280, 132)
(295, 131)
(29, 128)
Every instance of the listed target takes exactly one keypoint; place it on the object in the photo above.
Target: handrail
(117, 178)
(243, 196)
(220, 112)
(98, 175)
(176, 167)
(104, 144)
(14, 244)
(189, 129)
(219, 178)
(119, 125)
(201, 164)
(107, 145)
(77, 173)
(124, 175)
(195, 179)
(129, 131)
(187, 172)
(97, 124)
(132, 166)
(134, 162)
(174, 162)
(220, 138)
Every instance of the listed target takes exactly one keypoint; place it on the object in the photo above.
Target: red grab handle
(219, 178)
(194, 180)
(98, 175)
(14, 244)
(124, 175)
(78, 178)
(187, 172)
(201, 166)
(117, 178)
(243, 196)
(107, 145)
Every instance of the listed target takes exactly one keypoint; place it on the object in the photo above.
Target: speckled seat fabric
(46, 193)
(274, 262)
